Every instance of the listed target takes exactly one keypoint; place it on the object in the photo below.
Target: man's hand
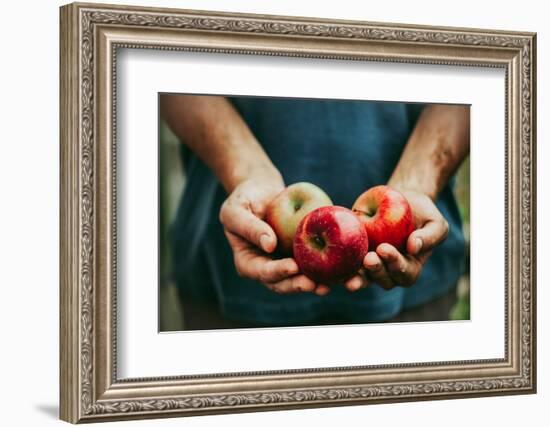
(438, 144)
(388, 267)
(216, 132)
(252, 239)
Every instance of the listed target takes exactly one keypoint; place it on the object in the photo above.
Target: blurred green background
(172, 183)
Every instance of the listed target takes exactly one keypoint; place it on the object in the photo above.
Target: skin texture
(387, 216)
(436, 148)
(214, 130)
(286, 211)
(330, 244)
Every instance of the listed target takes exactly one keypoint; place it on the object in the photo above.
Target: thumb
(241, 221)
(426, 238)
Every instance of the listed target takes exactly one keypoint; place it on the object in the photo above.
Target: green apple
(286, 211)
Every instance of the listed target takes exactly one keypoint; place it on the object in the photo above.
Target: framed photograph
(267, 212)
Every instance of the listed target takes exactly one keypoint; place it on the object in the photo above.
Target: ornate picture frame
(90, 37)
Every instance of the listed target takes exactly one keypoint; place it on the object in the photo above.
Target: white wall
(29, 170)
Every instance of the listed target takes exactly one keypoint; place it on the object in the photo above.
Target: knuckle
(290, 269)
(445, 225)
(301, 283)
(222, 216)
(241, 272)
(402, 269)
(276, 289)
(263, 276)
(291, 290)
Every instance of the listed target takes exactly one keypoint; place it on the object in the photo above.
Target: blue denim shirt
(344, 147)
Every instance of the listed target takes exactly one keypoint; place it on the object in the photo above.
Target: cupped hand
(253, 240)
(388, 267)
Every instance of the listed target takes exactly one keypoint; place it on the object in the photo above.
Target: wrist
(258, 173)
(405, 184)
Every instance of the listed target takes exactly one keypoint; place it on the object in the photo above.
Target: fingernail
(370, 256)
(264, 242)
(374, 266)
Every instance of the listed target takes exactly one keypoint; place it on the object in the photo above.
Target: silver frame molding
(90, 37)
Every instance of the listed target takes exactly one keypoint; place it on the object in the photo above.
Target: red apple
(387, 216)
(330, 245)
(286, 211)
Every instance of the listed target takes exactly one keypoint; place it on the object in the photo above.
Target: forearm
(438, 145)
(215, 131)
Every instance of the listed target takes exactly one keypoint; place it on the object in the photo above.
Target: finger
(241, 221)
(252, 264)
(355, 283)
(322, 290)
(263, 269)
(427, 237)
(403, 271)
(376, 271)
(298, 283)
(277, 270)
